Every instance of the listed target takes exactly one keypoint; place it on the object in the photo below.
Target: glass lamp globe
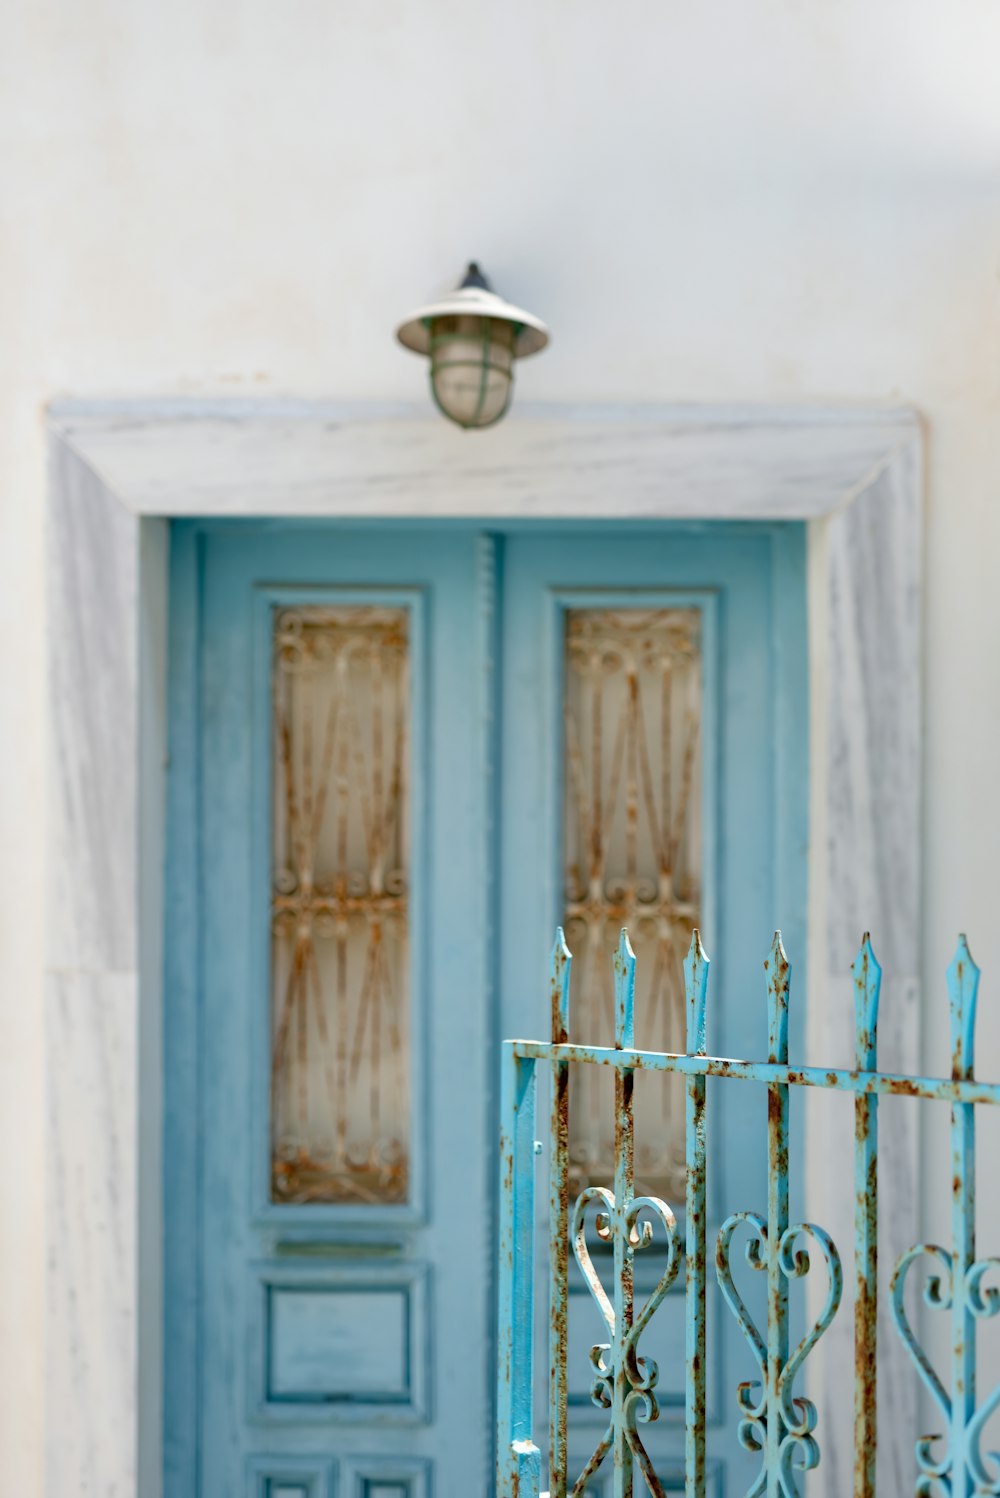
(472, 338)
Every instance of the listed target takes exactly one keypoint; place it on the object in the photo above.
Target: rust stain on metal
(769, 1406)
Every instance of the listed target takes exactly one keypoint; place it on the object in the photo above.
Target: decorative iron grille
(774, 1419)
(632, 777)
(339, 910)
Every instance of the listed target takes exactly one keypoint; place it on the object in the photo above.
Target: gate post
(867, 976)
(518, 1459)
(696, 1221)
(778, 983)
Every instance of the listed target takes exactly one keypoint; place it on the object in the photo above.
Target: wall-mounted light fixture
(473, 337)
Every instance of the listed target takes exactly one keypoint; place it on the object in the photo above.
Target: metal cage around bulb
(472, 338)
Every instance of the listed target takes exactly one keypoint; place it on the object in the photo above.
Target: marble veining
(311, 459)
(872, 881)
(92, 757)
(92, 1393)
(874, 719)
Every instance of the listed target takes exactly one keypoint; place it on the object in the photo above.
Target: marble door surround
(118, 473)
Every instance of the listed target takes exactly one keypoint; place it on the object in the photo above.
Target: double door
(399, 757)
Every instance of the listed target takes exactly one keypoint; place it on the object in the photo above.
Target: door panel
(322, 1290)
(373, 833)
(741, 591)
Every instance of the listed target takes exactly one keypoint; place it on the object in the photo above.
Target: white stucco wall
(766, 201)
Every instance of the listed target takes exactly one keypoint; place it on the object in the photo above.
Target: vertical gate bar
(624, 1167)
(696, 966)
(778, 977)
(517, 1457)
(559, 974)
(963, 987)
(867, 976)
(963, 1346)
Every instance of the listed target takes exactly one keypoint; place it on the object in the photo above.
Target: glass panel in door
(632, 830)
(340, 1046)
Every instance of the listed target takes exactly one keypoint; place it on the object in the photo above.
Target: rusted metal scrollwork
(774, 1420)
(339, 905)
(632, 730)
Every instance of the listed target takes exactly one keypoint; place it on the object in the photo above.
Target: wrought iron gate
(773, 1419)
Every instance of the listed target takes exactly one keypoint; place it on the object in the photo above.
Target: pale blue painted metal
(774, 1420)
(867, 976)
(559, 1221)
(963, 987)
(695, 1222)
(766, 1428)
(624, 1275)
(959, 1467)
(517, 1300)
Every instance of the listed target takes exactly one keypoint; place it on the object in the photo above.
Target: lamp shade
(472, 338)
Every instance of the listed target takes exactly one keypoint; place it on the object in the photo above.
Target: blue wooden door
(329, 1035)
(386, 745)
(654, 776)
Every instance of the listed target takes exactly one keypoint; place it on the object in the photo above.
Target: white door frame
(118, 473)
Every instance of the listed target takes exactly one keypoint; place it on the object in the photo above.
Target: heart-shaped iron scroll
(983, 1302)
(605, 1203)
(935, 1476)
(751, 1428)
(938, 1293)
(798, 1449)
(641, 1373)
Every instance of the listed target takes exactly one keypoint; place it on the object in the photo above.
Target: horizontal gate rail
(886, 1083)
(774, 1420)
